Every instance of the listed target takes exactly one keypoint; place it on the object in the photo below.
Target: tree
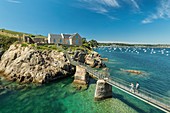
(84, 40)
(93, 43)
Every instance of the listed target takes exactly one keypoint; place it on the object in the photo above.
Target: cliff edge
(29, 65)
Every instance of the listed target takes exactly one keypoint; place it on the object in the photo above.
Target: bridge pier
(81, 78)
(103, 90)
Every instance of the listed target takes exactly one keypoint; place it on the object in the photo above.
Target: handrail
(147, 95)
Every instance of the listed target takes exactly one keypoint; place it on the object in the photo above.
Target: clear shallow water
(62, 97)
(57, 97)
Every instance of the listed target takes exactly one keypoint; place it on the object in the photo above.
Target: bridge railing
(144, 93)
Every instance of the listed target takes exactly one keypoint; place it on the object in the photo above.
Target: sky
(129, 21)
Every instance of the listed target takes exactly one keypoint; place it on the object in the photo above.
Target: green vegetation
(20, 34)
(42, 47)
(89, 44)
(48, 47)
(93, 43)
(39, 36)
(24, 45)
(12, 32)
(75, 48)
(6, 41)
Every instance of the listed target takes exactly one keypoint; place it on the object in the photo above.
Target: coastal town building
(68, 39)
(34, 39)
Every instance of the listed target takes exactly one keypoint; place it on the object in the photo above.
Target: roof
(73, 35)
(55, 35)
(62, 35)
(66, 35)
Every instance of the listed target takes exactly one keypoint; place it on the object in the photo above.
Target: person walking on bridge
(131, 87)
(137, 87)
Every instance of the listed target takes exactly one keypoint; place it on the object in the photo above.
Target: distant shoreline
(134, 45)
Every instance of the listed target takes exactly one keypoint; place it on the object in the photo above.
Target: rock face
(103, 90)
(81, 76)
(1, 53)
(26, 65)
(94, 60)
(79, 56)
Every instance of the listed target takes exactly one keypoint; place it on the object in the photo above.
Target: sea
(62, 96)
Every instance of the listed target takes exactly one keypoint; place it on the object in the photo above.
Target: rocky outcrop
(94, 60)
(79, 56)
(1, 53)
(28, 65)
(103, 90)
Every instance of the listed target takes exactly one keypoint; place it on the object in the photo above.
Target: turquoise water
(153, 62)
(62, 97)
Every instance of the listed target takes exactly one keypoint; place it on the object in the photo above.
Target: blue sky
(133, 21)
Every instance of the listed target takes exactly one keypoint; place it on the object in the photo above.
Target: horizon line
(132, 42)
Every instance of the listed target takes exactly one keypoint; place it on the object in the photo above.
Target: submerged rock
(132, 71)
(28, 65)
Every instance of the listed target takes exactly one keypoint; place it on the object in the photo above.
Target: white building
(68, 39)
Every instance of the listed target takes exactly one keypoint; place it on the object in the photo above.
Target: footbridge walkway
(157, 100)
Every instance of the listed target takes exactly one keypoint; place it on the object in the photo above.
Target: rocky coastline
(1, 53)
(28, 65)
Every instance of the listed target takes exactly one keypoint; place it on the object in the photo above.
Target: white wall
(49, 41)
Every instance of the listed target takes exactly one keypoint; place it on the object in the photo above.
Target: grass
(49, 47)
(24, 45)
(41, 47)
(40, 36)
(76, 48)
(6, 41)
(21, 33)
(12, 32)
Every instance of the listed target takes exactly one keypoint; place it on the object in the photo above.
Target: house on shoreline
(68, 39)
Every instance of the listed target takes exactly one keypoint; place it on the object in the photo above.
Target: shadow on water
(92, 81)
(132, 105)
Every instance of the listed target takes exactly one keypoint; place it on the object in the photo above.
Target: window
(68, 42)
(60, 40)
(54, 40)
(77, 36)
(77, 41)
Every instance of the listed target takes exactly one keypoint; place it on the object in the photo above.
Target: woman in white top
(131, 87)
